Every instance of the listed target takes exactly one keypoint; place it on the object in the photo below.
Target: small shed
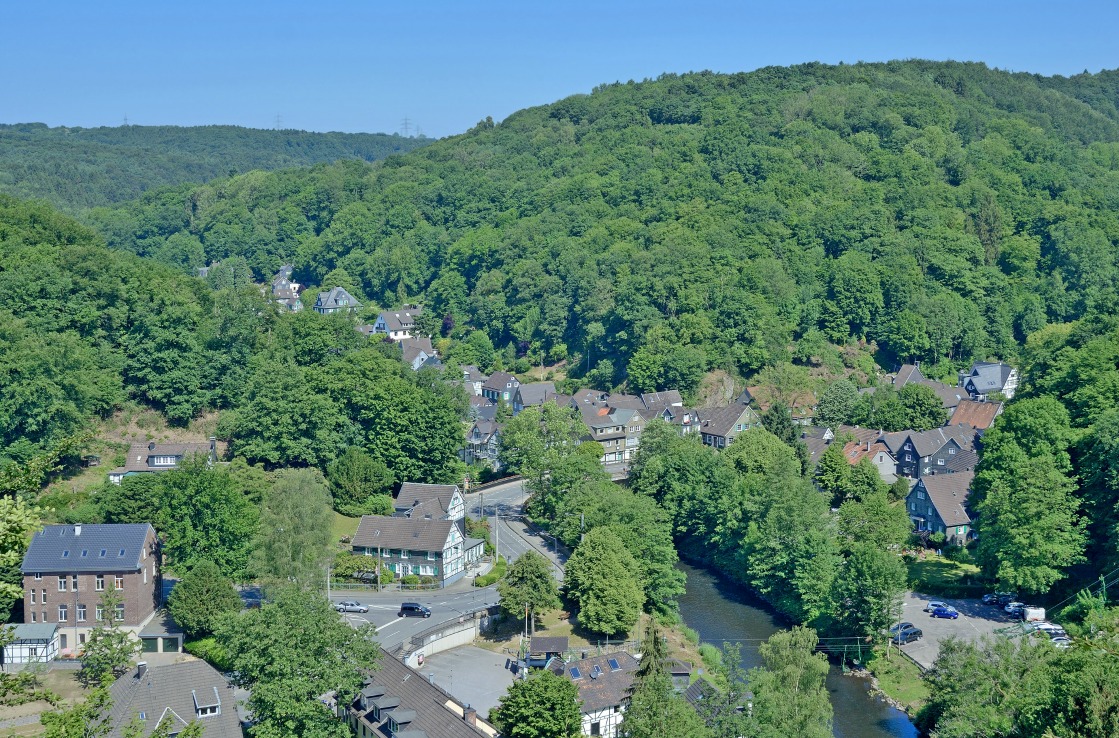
(34, 642)
(541, 649)
(680, 673)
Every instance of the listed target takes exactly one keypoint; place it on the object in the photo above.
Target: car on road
(933, 604)
(945, 612)
(1061, 642)
(907, 635)
(350, 606)
(414, 609)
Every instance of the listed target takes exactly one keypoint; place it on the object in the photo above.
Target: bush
(712, 657)
(690, 635)
(210, 651)
(496, 574)
(410, 579)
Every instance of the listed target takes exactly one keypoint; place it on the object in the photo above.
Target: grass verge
(899, 679)
(936, 575)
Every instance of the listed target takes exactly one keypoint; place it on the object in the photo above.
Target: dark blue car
(945, 612)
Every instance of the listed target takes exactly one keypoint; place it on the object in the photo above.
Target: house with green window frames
(422, 545)
(938, 504)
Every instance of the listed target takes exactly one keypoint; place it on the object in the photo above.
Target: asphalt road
(502, 506)
(385, 606)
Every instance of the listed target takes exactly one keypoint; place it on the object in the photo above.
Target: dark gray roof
(720, 421)
(416, 494)
(609, 687)
(963, 461)
(698, 691)
(173, 692)
(100, 547)
(427, 708)
(949, 396)
(548, 644)
(908, 373)
(988, 377)
(336, 298)
(139, 453)
(535, 393)
(403, 319)
(948, 494)
(413, 534)
(33, 632)
(500, 382)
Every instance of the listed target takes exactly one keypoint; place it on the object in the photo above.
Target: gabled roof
(605, 687)
(720, 421)
(138, 453)
(434, 496)
(34, 632)
(908, 373)
(413, 534)
(172, 692)
(963, 461)
(106, 547)
(855, 452)
(428, 709)
(336, 297)
(501, 381)
(485, 428)
(862, 435)
(417, 343)
(401, 319)
(988, 377)
(535, 393)
(949, 396)
(948, 494)
(927, 443)
(978, 415)
(548, 644)
(471, 373)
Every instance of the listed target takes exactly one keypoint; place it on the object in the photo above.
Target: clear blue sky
(365, 65)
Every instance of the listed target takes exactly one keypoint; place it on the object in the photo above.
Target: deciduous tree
(529, 584)
(542, 706)
(201, 598)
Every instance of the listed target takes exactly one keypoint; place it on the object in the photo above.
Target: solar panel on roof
(613, 664)
(574, 672)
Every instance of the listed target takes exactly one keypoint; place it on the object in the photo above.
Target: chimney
(470, 715)
(151, 445)
(141, 669)
(77, 529)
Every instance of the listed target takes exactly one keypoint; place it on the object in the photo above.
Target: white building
(603, 683)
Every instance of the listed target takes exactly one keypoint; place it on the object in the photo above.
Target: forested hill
(76, 168)
(654, 230)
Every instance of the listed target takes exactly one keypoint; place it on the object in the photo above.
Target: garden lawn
(344, 526)
(936, 575)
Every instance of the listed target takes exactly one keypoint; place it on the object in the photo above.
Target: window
(951, 452)
(85, 552)
(403, 553)
(33, 619)
(120, 554)
(431, 556)
(120, 612)
(81, 613)
(99, 585)
(118, 580)
(940, 462)
(38, 577)
(959, 530)
(44, 597)
(74, 582)
(145, 576)
(63, 612)
(32, 597)
(62, 584)
(926, 458)
(99, 613)
(66, 554)
(62, 640)
(596, 729)
(909, 457)
(102, 554)
(81, 640)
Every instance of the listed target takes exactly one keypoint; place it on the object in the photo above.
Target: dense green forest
(77, 168)
(944, 210)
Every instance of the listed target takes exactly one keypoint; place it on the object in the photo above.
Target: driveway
(975, 621)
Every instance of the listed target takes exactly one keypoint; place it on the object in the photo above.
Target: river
(723, 612)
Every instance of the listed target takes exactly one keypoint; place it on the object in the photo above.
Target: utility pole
(406, 126)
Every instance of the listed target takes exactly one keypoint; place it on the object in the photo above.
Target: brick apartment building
(67, 568)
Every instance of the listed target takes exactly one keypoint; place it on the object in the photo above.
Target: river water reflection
(720, 611)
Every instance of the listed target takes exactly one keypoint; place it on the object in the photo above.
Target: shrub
(210, 651)
(712, 657)
(410, 579)
(691, 635)
(495, 574)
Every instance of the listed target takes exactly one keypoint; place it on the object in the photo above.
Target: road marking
(388, 624)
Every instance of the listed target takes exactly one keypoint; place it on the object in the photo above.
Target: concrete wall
(445, 637)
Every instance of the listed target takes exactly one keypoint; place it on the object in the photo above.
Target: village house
(533, 394)
(925, 453)
(719, 426)
(483, 442)
(472, 380)
(939, 505)
(285, 292)
(32, 643)
(816, 438)
(482, 408)
(987, 378)
(152, 457)
(336, 300)
(398, 324)
(68, 567)
(443, 500)
(977, 415)
(500, 387)
(399, 703)
(603, 683)
(911, 374)
(617, 429)
(417, 351)
(879, 455)
(422, 544)
(174, 695)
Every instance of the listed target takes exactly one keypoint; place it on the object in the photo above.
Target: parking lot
(976, 620)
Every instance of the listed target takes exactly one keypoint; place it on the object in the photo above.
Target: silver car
(350, 606)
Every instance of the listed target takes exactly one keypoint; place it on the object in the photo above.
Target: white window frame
(118, 582)
(99, 584)
(63, 612)
(62, 583)
(81, 613)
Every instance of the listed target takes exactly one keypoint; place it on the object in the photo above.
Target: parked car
(351, 606)
(1006, 598)
(933, 604)
(1050, 629)
(1061, 641)
(1014, 608)
(409, 609)
(1032, 614)
(900, 626)
(907, 635)
(945, 612)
